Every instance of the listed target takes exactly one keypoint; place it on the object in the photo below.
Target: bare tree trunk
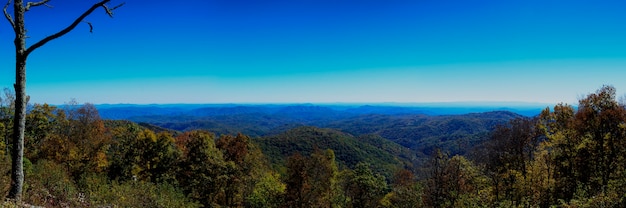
(17, 155)
(19, 123)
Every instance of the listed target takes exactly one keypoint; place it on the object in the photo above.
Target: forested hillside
(408, 127)
(454, 133)
(566, 156)
(384, 156)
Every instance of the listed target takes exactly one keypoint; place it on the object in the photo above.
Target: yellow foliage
(101, 161)
(136, 170)
(386, 200)
(2, 144)
(73, 154)
(147, 135)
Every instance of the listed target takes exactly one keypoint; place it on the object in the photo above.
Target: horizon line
(391, 104)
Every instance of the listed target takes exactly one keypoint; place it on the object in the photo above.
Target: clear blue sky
(295, 51)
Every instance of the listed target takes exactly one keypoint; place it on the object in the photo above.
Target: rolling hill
(385, 156)
(389, 137)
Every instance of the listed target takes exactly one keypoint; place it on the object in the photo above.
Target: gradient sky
(296, 51)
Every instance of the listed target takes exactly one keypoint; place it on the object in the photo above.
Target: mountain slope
(349, 150)
(401, 126)
(454, 133)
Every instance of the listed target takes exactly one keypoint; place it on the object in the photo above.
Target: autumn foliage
(567, 156)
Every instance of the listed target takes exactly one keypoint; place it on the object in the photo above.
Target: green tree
(585, 150)
(366, 189)
(312, 181)
(235, 149)
(587, 145)
(122, 152)
(250, 164)
(561, 147)
(508, 153)
(406, 191)
(203, 172)
(155, 156)
(268, 191)
(436, 185)
(540, 180)
(298, 182)
(455, 182)
(138, 154)
(41, 122)
(323, 169)
(599, 123)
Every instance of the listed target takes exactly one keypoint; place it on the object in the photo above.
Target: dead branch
(118, 6)
(109, 11)
(8, 16)
(34, 4)
(68, 28)
(90, 26)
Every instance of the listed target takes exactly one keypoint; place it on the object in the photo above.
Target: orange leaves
(78, 141)
(101, 161)
(235, 148)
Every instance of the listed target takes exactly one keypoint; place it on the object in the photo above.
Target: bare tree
(21, 54)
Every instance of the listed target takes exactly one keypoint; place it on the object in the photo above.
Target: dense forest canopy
(565, 156)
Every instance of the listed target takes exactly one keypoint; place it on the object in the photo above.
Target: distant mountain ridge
(129, 111)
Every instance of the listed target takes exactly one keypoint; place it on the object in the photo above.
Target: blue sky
(300, 51)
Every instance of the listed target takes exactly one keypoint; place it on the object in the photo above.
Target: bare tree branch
(90, 26)
(118, 6)
(106, 9)
(34, 4)
(8, 16)
(110, 10)
(68, 28)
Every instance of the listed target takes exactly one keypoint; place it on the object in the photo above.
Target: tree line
(566, 156)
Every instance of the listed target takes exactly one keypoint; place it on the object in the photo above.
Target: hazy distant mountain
(305, 112)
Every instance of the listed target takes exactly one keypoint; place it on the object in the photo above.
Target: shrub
(49, 185)
(99, 191)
